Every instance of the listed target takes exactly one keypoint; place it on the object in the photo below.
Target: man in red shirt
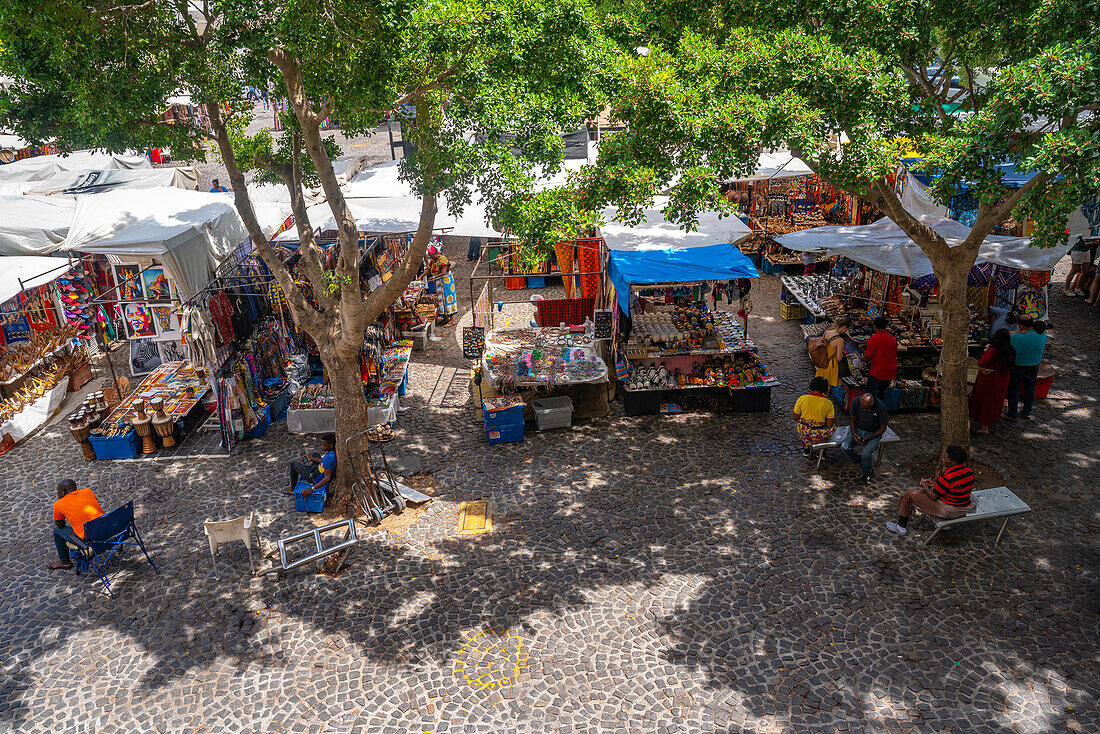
(948, 497)
(881, 355)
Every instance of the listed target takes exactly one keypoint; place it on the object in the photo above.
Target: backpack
(819, 350)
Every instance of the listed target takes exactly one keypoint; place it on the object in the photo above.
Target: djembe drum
(81, 430)
(143, 426)
(162, 424)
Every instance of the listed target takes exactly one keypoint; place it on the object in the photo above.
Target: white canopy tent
(777, 164)
(378, 182)
(655, 232)
(93, 182)
(187, 231)
(18, 273)
(43, 167)
(884, 247)
(34, 225)
(396, 214)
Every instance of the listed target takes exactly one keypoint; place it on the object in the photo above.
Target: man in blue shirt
(1029, 344)
(317, 468)
(217, 188)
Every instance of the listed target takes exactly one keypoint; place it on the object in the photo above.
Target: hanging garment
(588, 261)
(221, 312)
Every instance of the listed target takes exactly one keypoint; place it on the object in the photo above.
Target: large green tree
(493, 85)
(717, 82)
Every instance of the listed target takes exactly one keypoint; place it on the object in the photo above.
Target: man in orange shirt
(78, 506)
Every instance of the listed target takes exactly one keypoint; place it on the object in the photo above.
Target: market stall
(313, 408)
(163, 408)
(884, 273)
(781, 196)
(681, 347)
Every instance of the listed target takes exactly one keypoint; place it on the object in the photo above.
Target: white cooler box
(553, 413)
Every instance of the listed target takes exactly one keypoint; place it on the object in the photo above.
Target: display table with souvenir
(313, 408)
(157, 414)
(542, 357)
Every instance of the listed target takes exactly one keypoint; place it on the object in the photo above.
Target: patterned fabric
(924, 284)
(1005, 277)
(275, 296)
(449, 300)
(980, 274)
(1032, 301)
(571, 311)
(812, 433)
(588, 261)
(564, 252)
(1035, 278)
(977, 297)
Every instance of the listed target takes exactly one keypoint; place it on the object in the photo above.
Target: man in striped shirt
(948, 497)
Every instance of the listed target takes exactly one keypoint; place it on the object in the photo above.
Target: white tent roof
(884, 247)
(187, 231)
(395, 214)
(34, 225)
(657, 233)
(43, 166)
(92, 182)
(779, 164)
(32, 271)
(379, 181)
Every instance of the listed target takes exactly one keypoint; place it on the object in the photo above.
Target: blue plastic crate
(505, 434)
(262, 426)
(314, 503)
(116, 447)
(536, 281)
(507, 417)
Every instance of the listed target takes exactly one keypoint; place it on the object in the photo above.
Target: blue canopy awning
(684, 265)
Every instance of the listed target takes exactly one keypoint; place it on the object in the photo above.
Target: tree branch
(351, 312)
(307, 316)
(922, 82)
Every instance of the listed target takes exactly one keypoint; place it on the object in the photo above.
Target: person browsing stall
(1029, 343)
(76, 507)
(832, 348)
(946, 498)
(317, 468)
(882, 355)
(869, 420)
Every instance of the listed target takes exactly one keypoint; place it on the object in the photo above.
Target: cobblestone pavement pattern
(654, 574)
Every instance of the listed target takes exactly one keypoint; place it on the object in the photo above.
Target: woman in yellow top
(814, 414)
(835, 337)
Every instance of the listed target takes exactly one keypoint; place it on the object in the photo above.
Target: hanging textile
(588, 261)
(564, 251)
(221, 312)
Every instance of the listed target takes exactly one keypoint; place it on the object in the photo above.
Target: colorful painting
(156, 285)
(128, 282)
(163, 317)
(13, 319)
(139, 322)
(144, 356)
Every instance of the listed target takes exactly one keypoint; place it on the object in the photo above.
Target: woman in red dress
(992, 384)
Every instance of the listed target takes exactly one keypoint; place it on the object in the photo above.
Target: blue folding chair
(103, 537)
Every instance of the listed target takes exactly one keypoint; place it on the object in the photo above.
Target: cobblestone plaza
(688, 573)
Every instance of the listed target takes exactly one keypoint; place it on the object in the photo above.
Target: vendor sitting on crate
(78, 506)
(317, 468)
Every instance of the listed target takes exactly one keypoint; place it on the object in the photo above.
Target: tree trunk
(346, 381)
(952, 270)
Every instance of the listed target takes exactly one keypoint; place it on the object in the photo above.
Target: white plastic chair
(227, 531)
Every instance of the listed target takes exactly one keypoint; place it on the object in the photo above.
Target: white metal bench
(987, 505)
(840, 434)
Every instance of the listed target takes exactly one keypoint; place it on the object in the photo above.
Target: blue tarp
(1010, 176)
(685, 265)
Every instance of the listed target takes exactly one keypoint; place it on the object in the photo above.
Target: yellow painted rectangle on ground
(474, 517)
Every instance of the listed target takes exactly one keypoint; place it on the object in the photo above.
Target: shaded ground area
(656, 574)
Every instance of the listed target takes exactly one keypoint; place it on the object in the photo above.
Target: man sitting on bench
(868, 423)
(947, 498)
(317, 468)
(78, 506)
